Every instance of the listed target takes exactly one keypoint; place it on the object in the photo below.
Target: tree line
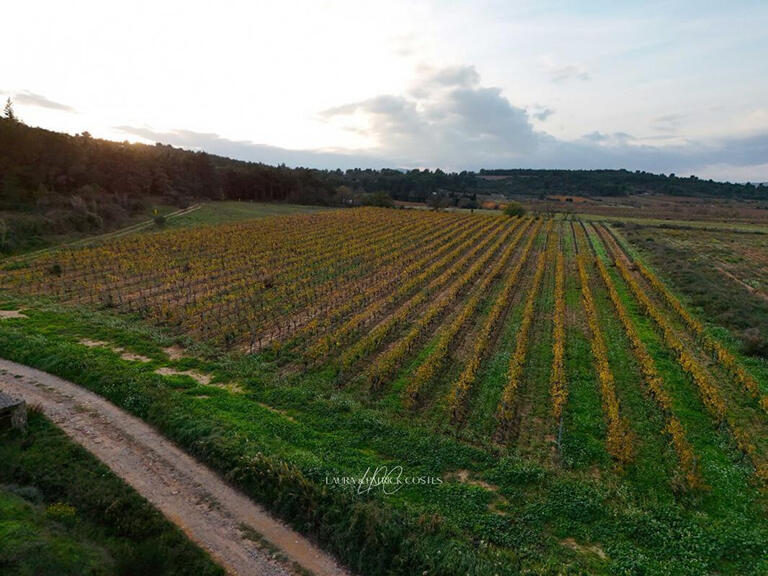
(54, 183)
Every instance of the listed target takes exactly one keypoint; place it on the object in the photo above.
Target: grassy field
(63, 513)
(722, 274)
(222, 212)
(207, 213)
(342, 342)
(677, 223)
(662, 209)
(38, 235)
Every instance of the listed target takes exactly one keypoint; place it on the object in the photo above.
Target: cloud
(27, 98)
(612, 139)
(448, 119)
(464, 76)
(570, 72)
(253, 152)
(447, 114)
(433, 80)
(540, 113)
(756, 174)
(405, 45)
(738, 159)
(667, 122)
(559, 72)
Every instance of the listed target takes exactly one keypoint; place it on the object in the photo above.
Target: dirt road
(212, 513)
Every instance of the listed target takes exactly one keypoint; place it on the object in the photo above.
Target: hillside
(58, 185)
(614, 183)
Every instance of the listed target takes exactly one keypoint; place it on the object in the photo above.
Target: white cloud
(449, 119)
(27, 98)
(540, 113)
(446, 118)
(682, 78)
(756, 173)
(569, 72)
(559, 72)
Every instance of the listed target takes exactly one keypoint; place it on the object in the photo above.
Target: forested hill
(614, 183)
(35, 163)
(59, 182)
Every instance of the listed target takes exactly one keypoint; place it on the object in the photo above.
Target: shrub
(754, 343)
(61, 512)
(514, 209)
(29, 493)
(377, 199)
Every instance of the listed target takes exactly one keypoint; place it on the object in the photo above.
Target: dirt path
(213, 514)
(739, 281)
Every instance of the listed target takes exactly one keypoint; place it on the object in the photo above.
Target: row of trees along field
(53, 183)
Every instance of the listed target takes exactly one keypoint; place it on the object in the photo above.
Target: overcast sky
(661, 86)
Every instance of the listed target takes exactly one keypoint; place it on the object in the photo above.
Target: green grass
(730, 310)
(679, 223)
(282, 458)
(222, 212)
(209, 213)
(62, 512)
(742, 409)
(32, 543)
(721, 465)
(537, 425)
(481, 424)
(38, 244)
(653, 464)
(289, 430)
(583, 437)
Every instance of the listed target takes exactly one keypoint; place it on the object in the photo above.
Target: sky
(659, 86)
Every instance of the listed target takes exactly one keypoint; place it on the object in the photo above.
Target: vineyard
(546, 339)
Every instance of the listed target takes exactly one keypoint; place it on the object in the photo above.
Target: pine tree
(8, 110)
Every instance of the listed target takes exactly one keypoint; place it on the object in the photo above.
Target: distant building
(13, 412)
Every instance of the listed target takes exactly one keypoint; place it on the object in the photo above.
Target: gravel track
(212, 513)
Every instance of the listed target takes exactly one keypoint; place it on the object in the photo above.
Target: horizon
(402, 169)
(439, 85)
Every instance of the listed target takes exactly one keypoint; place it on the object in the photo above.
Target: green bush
(62, 512)
(514, 209)
(377, 199)
(106, 519)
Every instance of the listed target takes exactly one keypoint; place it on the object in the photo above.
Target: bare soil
(199, 377)
(130, 356)
(11, 314)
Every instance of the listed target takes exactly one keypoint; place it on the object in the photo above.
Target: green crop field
(535, 395)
